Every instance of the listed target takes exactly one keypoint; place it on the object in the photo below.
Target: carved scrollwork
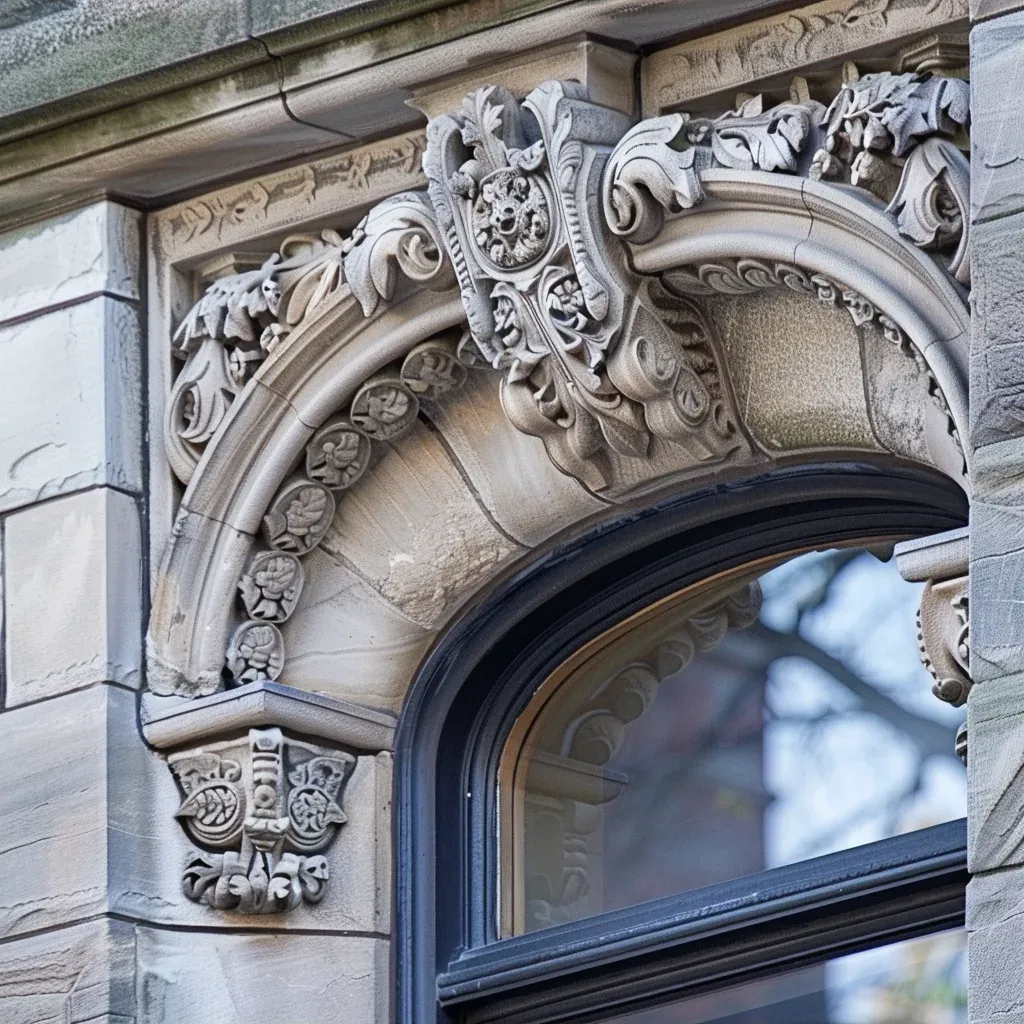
(547, 302)
(271, 821)
(238, 320)
(655, 168)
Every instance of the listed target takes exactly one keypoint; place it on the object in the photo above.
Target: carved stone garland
(268, 805)
(593, 362)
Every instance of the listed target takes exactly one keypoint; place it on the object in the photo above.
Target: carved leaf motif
(398, 235)
(749, 139)
(646, 175)
(384, 408)
(337, 455)
(271, 586)
(932, 202)
(299, 517)
(256, 652)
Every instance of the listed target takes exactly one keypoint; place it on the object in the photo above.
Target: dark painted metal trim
(482, 671)
(724, 933)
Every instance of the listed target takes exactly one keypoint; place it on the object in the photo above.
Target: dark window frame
(449, 965)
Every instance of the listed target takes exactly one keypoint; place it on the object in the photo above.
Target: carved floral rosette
(263, 809)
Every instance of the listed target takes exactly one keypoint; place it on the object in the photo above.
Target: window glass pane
(923, 981)
(772, 715)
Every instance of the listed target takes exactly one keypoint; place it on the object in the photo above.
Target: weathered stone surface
(415, 532)
(66, 856)
(997, 338)
(981, 9)
(55, 48)
(82, 973)
(995, 931)
(203, 978)
(995, 770)
(997, 131)
(94, 249)
(71, 392)
(345, 641)
(508, 470)
(795, 389)
(74, 594)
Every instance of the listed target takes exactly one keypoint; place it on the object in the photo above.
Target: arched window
(681, 753)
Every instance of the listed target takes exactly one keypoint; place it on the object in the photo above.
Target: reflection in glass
(923, 981)
(772, 715)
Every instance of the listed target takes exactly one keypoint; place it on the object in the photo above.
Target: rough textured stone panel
(996, 773)
(344, 641)
(981, 9)
(415, 532)
(795, 389)
(77, 974)
(201, 978)
(54, 775)
(509, 470)
(71, 393)
(74, 594)
(93, 249)
(997, 130)
(995, 934)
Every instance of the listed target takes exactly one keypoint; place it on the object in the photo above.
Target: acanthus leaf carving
(268, 810)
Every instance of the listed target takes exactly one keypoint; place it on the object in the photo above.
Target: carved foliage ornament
(510, 216)
(588, 365)
(522, 204)
(262, 808)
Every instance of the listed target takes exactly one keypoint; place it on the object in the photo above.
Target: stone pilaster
(996, 705)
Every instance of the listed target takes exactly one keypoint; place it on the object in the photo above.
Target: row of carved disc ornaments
(384, 408)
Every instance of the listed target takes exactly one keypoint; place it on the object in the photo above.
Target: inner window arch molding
(631, 290)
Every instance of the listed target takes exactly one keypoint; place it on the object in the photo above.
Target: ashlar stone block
(54, 262)
(82, 973)
(204, 978)
(73, 571)
(71, 392)
(61, 860)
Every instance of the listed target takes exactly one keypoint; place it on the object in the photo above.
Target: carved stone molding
(578, 248)
(262, 809)
(943, 621)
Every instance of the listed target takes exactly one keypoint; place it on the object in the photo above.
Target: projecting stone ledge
(170, 722)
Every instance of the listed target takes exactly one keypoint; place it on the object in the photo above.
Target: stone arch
(707, 250)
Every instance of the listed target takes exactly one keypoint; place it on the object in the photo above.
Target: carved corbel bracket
(943, 621)
(262, 809)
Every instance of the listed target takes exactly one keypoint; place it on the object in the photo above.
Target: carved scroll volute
(941, 563)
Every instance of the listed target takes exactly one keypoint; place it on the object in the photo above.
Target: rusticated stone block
(71, 849)
(204, 978)
(997, 342)
(997, 130)
(74, 594)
